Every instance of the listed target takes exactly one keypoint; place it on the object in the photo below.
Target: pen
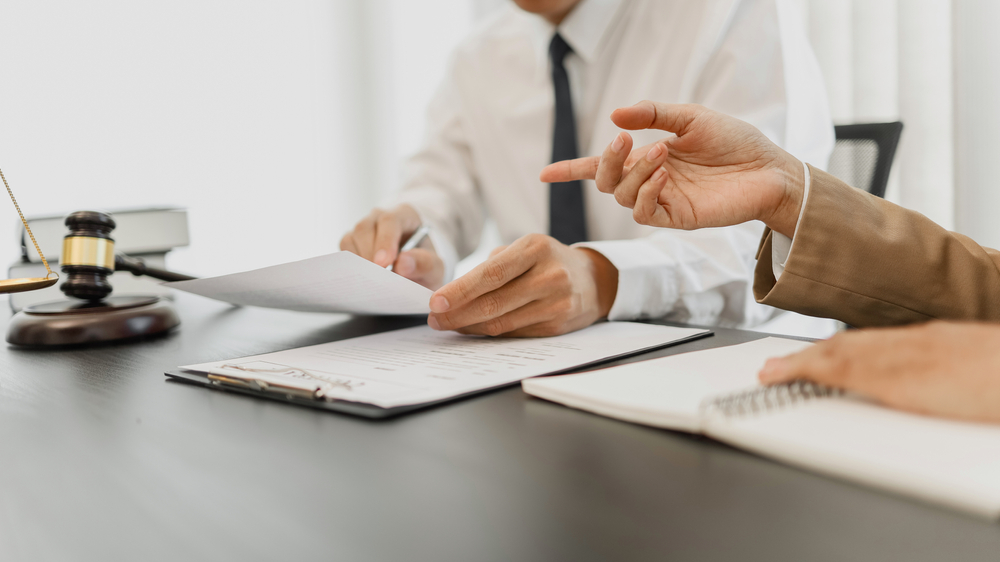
(412, 242)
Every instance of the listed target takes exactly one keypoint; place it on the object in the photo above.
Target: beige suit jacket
(868, 262)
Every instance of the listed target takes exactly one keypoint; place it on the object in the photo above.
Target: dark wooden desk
(101, 458)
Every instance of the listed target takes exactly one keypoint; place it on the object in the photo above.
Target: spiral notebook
(715, 393)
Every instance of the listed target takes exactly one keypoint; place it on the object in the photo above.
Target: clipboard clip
(285, 380)
(258, 385)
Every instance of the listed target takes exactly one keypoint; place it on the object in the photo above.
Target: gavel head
(88, 255)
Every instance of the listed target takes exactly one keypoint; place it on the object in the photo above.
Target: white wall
(276, 123)
(407, 48)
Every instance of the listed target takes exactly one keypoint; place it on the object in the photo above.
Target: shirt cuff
(781, 245)
(645, 289)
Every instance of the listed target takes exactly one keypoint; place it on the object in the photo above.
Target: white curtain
(930, 64)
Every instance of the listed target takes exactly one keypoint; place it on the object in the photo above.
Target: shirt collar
(583, 29)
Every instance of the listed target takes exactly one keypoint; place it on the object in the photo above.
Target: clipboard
(298, 397)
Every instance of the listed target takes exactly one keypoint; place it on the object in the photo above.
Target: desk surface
(101, 458)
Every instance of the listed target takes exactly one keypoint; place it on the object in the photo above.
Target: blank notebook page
(943, 461)
(665, 392)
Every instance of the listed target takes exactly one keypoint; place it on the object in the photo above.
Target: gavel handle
(137, 266)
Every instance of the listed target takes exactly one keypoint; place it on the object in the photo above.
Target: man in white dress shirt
(501, 116)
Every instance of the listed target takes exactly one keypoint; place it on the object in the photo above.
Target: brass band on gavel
(88, 250)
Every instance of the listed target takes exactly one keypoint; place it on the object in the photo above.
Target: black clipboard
(376, 412)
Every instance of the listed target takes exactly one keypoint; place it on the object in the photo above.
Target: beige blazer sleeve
(868, 262)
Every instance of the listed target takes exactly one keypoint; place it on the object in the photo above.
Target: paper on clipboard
(420, 365)
(338, 282)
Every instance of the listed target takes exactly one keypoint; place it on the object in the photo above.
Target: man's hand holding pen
(378, 236)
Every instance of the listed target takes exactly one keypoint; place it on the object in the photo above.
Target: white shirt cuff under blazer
(781, 245)
(489, 133)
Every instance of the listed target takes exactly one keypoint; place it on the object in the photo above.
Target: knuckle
(495, 272)
(541, 245)
(387, 218)
(829, 352)
(490, 305)
(835, 345)
(535, 240)
(838, 357)
(640, 215)
(564, 307)
(495, 327)
(559, 276)
(364, 224)
(622, 198)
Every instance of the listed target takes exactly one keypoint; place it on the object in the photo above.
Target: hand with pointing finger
(378, 237)
(716, 171)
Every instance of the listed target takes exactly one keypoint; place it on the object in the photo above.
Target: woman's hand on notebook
(941, 368)
(716, 171)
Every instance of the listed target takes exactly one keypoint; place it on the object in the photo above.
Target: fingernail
(618, 143)
(659, 175)
(772, 371)
(405, 265)
(380, 257)
(433, 323)
(654, 152)
(439, 304)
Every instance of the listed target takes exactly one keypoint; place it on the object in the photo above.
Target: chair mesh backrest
(853, 161)
(863, 155)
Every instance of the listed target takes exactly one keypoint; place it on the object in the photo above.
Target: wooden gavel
(88, 258)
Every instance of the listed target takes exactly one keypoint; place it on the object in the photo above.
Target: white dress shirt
(490, 134)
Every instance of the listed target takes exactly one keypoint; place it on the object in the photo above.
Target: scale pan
(26, 284)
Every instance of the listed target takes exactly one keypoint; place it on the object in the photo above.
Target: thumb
(421, 266)
(672, 117)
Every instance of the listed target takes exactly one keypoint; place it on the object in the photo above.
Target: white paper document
(339, 282)
(420, 365)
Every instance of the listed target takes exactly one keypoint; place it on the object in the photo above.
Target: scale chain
(26, 227)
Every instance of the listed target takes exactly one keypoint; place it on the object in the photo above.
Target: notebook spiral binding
(768, 398)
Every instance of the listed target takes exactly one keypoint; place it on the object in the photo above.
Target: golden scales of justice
(27, 283)
(89, 315)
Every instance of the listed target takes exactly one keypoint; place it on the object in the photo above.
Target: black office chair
(863, 154)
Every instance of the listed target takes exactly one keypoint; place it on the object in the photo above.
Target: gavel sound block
(90, 315)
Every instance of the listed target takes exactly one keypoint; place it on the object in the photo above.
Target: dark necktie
(567, 219)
